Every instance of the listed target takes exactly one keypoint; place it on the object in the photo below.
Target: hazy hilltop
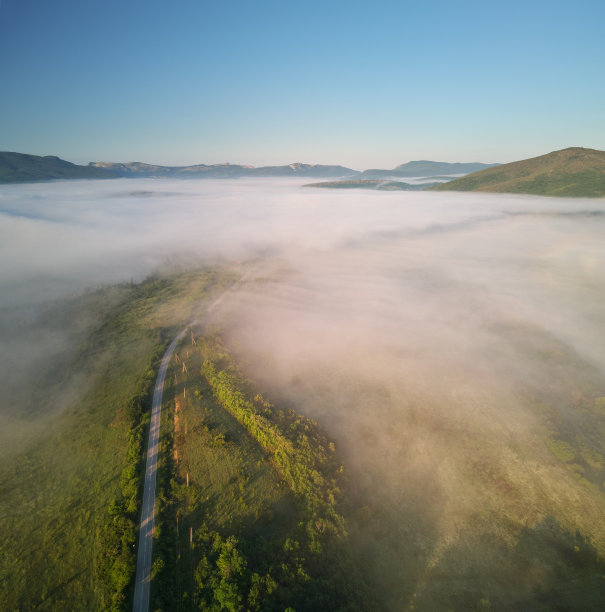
(426, 168)
(21, 167)
(299, 169)
(377, 184)
(572, 172)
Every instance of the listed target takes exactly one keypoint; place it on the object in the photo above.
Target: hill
(426, 168)
(380, 185)
(21, 167)
(572, 172)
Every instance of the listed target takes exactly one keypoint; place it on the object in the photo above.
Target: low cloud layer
(423, 330)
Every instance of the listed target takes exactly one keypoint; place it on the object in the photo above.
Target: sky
(273, 82)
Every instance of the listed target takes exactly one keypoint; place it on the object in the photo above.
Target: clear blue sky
(365, 84)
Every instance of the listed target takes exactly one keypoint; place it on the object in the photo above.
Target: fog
(387, 258)
(429, 333)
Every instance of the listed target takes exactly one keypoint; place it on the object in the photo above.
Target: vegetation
(115, 555)
(380, 185)
(426, 168)
(20, 167)
(573, 172)
(254, 520)
(254, 511)
(69, 492)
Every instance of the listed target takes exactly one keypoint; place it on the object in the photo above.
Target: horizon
(306, 163)
(359, 86)
(228, 163)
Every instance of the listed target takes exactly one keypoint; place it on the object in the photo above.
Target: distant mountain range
(415, 168)
(137, 169)
(20, 167)
(572, 172)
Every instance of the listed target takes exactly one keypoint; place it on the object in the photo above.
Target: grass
(56, 487)
(231, 502)
(508, 519)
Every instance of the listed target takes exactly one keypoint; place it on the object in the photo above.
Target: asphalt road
(143, 575)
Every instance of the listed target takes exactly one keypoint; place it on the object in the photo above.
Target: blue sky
(357, 83)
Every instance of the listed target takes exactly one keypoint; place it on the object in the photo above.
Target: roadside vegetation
(69, 492)
(253, 514)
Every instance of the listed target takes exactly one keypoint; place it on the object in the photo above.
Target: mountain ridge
(23, 167)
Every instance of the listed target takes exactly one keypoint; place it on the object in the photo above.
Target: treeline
(115, 550)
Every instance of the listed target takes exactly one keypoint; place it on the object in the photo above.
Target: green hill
(21, 167)
(572, 172)
(425, 168)
(380, 185)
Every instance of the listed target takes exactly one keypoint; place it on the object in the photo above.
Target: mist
(440, 338)
(389, 258)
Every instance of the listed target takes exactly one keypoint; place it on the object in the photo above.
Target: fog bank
(442, 338)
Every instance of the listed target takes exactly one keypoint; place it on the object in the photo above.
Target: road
(143, 575)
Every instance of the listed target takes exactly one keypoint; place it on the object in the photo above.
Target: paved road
(143, 576)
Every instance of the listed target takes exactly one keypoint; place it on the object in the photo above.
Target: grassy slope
(231, 484)
(488, 501)
(54, 491)
(573, 172)
(21, 167)
(517, 520)
(217, 479)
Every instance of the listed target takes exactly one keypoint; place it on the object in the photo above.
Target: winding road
(143, 575)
